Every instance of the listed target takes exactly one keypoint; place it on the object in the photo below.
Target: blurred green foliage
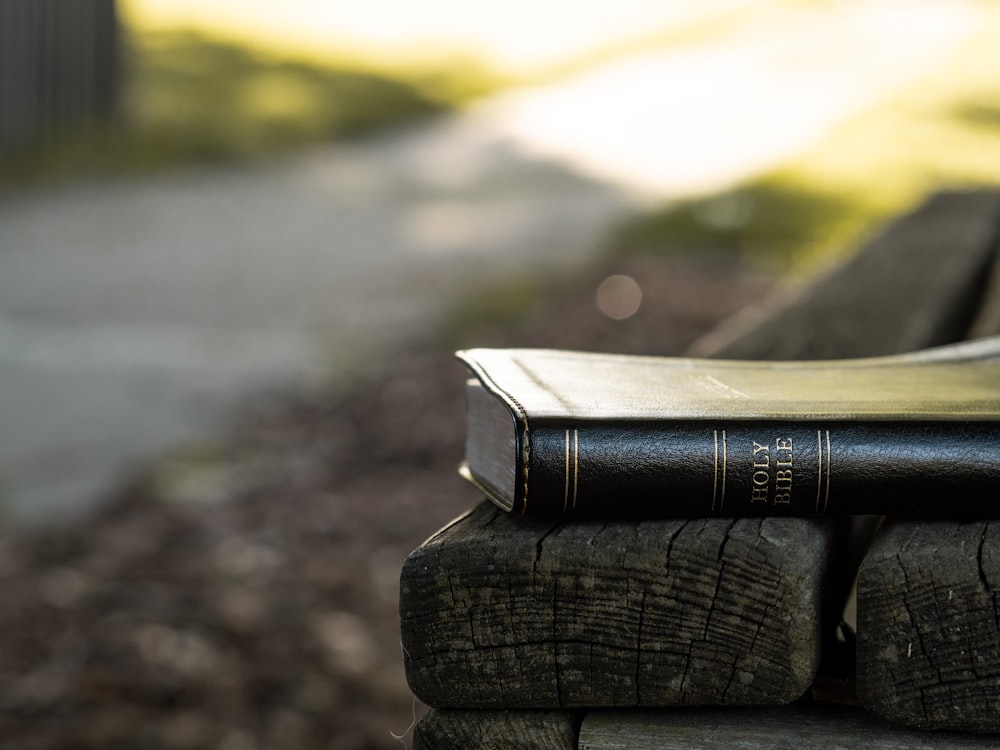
(193, 97)
(188, 98)
(771, 222)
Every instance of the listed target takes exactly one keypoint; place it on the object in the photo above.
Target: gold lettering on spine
(759, 476)
(772, 471)
(783, 471)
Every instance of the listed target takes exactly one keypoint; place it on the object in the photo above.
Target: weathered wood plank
(788, 728)
(444, 729)
(987, 319)
(503, 611)
(929, 625)
(916, 284)
(928, 652)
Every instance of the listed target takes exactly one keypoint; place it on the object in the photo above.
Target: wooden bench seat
(487, 585)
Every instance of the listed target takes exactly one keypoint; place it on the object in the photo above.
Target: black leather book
(561, 432)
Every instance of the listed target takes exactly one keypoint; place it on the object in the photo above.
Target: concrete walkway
(134, 315)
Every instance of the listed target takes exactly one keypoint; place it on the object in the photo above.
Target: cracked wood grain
(928, 633)
(650, 613)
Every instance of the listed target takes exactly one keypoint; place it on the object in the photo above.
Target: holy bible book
(562, 432)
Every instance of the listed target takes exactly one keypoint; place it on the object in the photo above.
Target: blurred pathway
(134, 315)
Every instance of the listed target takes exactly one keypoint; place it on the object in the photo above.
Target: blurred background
(239, 241)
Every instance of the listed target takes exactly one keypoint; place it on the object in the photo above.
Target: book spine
(750, 468)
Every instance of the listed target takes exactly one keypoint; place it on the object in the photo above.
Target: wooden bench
(747, 611)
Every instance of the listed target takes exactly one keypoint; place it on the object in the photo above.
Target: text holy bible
(562, 432)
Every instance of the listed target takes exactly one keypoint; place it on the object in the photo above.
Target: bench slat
(445, 729)
(788, 728)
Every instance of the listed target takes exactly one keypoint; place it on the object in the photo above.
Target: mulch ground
(244, 596)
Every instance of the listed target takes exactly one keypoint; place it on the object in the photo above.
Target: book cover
(563, 432)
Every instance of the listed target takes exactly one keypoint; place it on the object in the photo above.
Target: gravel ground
(243, 595)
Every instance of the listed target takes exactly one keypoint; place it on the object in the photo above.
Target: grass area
(190, 98)
(766, 222)
(941, 133)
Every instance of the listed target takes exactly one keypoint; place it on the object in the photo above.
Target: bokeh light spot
(619, 297)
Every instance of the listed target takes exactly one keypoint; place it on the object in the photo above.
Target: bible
(576, 433)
